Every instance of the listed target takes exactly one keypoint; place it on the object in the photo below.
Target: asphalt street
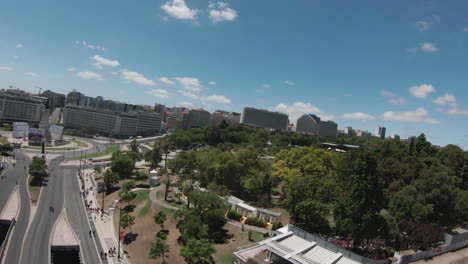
(19, 172)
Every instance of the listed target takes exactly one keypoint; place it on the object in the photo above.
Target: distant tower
(380, 132)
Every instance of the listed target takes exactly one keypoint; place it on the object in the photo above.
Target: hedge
(256, 222)
(234, 215)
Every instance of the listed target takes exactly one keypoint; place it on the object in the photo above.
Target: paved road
(16, 240)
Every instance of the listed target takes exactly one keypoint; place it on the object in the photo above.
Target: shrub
(234, 215)
(256, 222)
(277, 225)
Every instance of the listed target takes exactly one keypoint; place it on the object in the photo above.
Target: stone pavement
(104, 225)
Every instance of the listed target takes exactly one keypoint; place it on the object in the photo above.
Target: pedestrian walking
(102, 254)
(89, 233)
(105, 255)
(94, 233)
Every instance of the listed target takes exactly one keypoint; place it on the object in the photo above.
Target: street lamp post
(118, 239)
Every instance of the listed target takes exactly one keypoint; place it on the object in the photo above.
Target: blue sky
(400, 64)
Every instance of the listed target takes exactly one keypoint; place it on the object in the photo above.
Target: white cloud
(465, 29)
(185, 104)
(446, 99)
(219, 99)
(188, 94)
(189, 83)
(418, 116)
(159, 93)
(299, 108)
(16, 57)
(179, 10)
(423, 25)
(5, 68)
(289, 82)
(103, 61)
(33, 74)
(89, 75)
(19, 46)
(429, 47)
(266, 86)
(212, 83)
(221, 13)
(137, 78)
(392, 98)
(71, 69)
(421, 91)
(90, 46)
(166, 81)
(114, 73)
(457, 111)
(359, 115)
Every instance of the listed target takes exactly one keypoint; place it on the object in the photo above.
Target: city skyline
(403, 72)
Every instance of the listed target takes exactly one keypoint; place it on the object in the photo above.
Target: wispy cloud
(188, 94)
(429, 47)
(137, 78)
(71, 69)
(220, 12)
(421, 91)
(189, 83)
(288, 82)
(423, 25)
(19, 46)
(89, 75)
(5, 68)
(178, 9)
(358, 115)
(166, 81)
(445, 99)
(392, 98)
(457, 111)
(104, 61)
(90, 46)
(297, 109)
(212, 83)
(420, 115)
(158, 93)
(185, 104)
(219, 99)
(33, 74)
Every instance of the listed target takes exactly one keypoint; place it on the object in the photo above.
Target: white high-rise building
(380, 132)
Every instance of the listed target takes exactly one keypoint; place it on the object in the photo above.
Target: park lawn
(3, 140)
(80, 144)
(141, 196)
(107, 151)
(34, 189)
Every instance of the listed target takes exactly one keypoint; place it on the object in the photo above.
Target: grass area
(3, 140)
(107, 151)
(32, 188)
(141, 196)
(80, 144)
(145, 209)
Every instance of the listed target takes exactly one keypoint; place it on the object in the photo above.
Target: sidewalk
(104, 226)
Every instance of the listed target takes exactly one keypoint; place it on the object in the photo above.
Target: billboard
(35, 136)
(20, 129)
(56, 132)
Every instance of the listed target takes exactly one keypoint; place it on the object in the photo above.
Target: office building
(118, 124)
(79, 99)
(229, 117)
(349, 131)
(264, 118)
(328, 129)
(20, 108)
(380, 132)
(312, 124)
(309, 124)
(364, 134)
(294, 245)
(54, 100)
(197, 118)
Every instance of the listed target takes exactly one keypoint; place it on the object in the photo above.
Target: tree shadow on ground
(129, 238)
(221, 236)
(37, 182)
(129, 208)
(112, 190)
(144, 186)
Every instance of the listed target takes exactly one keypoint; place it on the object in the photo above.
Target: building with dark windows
(264, 118)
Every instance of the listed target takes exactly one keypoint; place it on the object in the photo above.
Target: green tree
(127, 186)
(166, 178)
(127, 220)
(110, 178)
(97, 169)
(127, 196)
(198, 252)
(159, 218)
(38, 168)
(122, 164)
(141, 176)
(158, 249)
(154, 156)
(134, 146)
